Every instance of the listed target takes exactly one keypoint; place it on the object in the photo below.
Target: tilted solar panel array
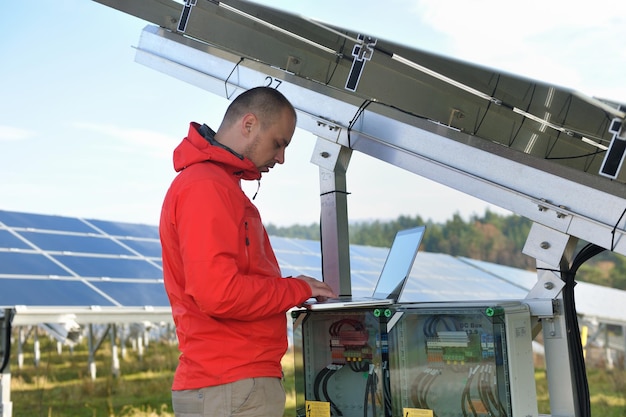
(48, 260)
(56, 261)
(61, 261)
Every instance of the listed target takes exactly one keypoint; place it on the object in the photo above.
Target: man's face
(267, 146)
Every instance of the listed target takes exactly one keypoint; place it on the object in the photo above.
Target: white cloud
(10, 133)
(576, 46)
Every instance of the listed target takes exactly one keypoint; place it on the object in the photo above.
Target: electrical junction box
(462, 359)
(340, 362)
(457, 359)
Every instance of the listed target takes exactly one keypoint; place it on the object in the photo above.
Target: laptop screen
(399, 263)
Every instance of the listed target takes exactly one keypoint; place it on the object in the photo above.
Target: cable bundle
(486, 386)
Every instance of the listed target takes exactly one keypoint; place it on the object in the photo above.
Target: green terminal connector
(494, 311)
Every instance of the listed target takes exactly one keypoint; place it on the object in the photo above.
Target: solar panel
(28, 264)
(44, 266)
(74, 243)
(134, 293)
(429, 114)
(126, 229)
(22, 291)
(146, 247)
(50, 260)
(43, 222)
(9, 241)
(440, 277)
(107, 267)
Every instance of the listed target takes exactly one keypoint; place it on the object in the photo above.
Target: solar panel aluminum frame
(568, 200)
(32, 315)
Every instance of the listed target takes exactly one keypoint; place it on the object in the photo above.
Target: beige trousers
(252, 397)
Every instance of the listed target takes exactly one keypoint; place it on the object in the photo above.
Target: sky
(87, 132)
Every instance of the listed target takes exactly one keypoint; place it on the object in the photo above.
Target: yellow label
(416, 412)
(318, 409)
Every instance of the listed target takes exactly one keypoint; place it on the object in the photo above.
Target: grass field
(61, 386)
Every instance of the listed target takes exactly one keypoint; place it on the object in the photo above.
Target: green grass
(607, 392)
(61, 386)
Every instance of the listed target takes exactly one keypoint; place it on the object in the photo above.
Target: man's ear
(248, 124)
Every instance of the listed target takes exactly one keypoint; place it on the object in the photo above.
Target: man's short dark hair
(265, 102)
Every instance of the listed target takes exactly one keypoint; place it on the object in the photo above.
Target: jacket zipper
(245, 225)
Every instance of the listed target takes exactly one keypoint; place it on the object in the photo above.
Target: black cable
(370, 393)
(386, 389)
(318, 381)
(229, 75)
(373, 393)
(6, 350)
(367, 394)
(358, 114)
(577, 364)
(614, 229)
(566, 158)
(338, 58)
(328, 375)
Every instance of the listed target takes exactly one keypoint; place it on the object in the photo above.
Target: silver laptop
(392, 278)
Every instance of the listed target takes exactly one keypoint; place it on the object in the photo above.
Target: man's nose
(280, 156)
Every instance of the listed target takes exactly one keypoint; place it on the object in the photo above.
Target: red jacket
(228, 298)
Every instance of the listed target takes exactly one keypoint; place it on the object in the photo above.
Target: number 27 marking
(272, 82)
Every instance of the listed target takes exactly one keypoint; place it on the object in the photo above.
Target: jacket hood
(197, 148)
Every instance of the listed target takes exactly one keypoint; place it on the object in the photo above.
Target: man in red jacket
(228, 297)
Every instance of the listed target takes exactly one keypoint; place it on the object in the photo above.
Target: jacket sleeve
(208, 218)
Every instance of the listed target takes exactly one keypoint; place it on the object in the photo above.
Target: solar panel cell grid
(148, 248)
(29, 264)
(41, 221)
(10, 241)
(75, 243)
(125, 229)
(46, 292)
(93, 267)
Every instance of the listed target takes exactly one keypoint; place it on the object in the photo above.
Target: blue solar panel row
(55, 261)
(62, 261)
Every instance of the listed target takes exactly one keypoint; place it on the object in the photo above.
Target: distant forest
(490, 237)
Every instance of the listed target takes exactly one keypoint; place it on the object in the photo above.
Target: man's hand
(319, 290)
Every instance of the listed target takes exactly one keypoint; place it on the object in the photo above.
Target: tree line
(490, 237)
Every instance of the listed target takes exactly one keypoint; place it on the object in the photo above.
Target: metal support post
(91, 361)
(21, 338)
(123, 340)
(333, 160)
(36, 347)
(553, 251)
(115, 359)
